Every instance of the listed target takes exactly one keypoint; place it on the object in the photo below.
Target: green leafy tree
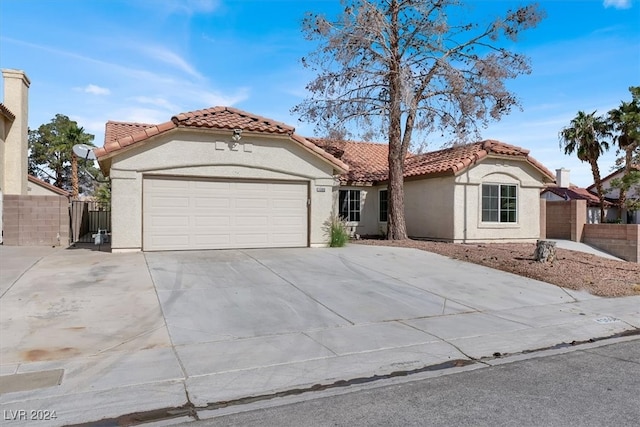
(587, 136)
(392, 68)
(625, 121)
(51, 155)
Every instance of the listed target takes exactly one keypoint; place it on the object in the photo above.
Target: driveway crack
(298, 288)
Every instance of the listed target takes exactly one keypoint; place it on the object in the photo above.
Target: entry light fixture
(237, 134)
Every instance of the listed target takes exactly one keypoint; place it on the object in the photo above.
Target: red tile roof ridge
(145, 131)
(48, 186)
(190, 119)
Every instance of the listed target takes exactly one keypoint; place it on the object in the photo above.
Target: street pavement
(183, 334)
(592, 386)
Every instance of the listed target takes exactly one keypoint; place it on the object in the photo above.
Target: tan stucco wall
(428, 206)
(37, 190)
(207, 154)
(468, 225)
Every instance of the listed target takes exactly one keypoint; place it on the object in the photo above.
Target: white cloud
(141, 115)
(187, 7)
(618, 4)
(95, 90)
(156, 101)
(165, 55)
(212, 99)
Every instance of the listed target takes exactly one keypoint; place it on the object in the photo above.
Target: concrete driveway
(137, 332)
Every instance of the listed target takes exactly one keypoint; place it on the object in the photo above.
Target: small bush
(337, 230)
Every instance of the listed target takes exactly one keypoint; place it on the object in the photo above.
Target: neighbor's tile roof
(575, 193)
(620, 171)
(368, 162)
(119, 135)
(6, 112)
(48, 186)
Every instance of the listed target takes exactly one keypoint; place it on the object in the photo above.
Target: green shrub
(337, 230)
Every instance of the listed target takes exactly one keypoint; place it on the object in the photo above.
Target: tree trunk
(595, 170)
(396, 225)
(74, 177)
(622, 198)
(545, 251)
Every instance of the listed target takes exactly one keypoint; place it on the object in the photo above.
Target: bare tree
(392, 68)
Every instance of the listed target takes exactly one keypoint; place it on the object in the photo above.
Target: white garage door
(182, 214)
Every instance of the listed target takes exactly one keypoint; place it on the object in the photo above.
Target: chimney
(562, 178)
(16, 99)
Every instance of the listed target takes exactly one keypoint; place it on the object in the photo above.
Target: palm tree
(587, 136)
(626, 121)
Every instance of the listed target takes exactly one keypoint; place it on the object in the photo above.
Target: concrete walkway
(190, 330)
(583, 247)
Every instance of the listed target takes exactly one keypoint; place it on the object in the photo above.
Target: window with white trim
(350, 204)
(383, 205)
(499, 203)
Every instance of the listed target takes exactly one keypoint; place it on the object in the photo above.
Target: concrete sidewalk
(583, 247)
(190, 330)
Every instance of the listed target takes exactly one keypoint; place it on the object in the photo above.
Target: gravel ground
(572, 270)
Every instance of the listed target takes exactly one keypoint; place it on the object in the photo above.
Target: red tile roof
(48, 186)
(451, 161)
(117, 130)
(230, 118)
(119, 135)
(368, 162)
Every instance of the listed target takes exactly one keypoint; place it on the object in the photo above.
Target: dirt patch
(572, 270)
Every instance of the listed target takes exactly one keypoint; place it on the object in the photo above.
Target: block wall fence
(35, 220)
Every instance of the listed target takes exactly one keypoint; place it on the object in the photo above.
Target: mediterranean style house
(225, 178)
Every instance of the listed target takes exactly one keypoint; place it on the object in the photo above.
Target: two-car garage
(189, 213)
(218, 178)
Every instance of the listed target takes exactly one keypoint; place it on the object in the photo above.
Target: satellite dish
(84, 151)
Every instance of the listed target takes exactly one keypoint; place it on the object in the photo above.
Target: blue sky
(147, 60)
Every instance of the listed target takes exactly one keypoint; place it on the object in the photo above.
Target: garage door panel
(210, 202)
(211, 241)
(170, 202)
(206, 221)
(169, 221)
(182, 214)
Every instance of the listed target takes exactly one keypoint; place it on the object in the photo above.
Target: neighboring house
(612, 194)
(216, 178)
(38, 187)
(14, 111)
(563, 190)
(32, 212)
(485, 191)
